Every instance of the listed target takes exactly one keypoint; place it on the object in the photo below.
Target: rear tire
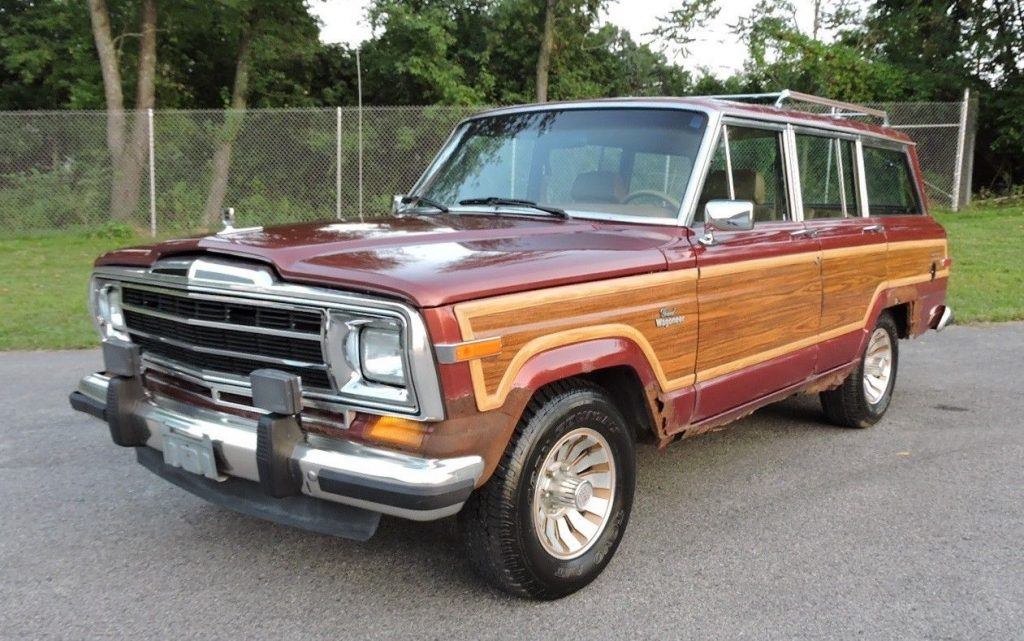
(551, 516)
(864, 396)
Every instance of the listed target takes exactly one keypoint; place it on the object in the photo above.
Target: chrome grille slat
(229, 337)
(220, 325)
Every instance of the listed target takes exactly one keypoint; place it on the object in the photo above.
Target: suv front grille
(232, 338)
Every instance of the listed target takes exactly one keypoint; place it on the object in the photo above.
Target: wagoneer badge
(668, 317)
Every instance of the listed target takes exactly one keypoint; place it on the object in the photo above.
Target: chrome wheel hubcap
(877, 366)
(573, 497)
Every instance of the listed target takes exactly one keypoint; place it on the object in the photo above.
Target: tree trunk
(817, 20)
(128, 179)
(547, 41)
(229, 132)
(113, 95)
(127, 154)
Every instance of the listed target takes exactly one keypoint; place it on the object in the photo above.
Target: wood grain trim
(487, 401)
(465, 312)
(526, 300)
(760, 357)
(758, 264)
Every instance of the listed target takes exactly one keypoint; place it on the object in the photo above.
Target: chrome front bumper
(334, 470)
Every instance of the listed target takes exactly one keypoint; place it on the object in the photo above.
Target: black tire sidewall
(877, 410)
(583, 409)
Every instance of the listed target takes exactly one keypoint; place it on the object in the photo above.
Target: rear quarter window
(890, 183)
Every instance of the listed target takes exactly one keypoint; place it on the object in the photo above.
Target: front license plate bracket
(195, 455)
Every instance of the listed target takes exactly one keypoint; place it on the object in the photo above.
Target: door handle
(803, 233)
(874, 229)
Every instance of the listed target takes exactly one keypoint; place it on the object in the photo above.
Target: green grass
(43, 295)
(987, 245)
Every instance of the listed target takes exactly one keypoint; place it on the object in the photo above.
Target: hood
(437, 259)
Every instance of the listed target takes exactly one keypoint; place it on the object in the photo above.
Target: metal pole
(359, 89)
(152, 175)
(960, 140)
(337, 163)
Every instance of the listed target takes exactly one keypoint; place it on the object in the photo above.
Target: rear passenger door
(759, 291)
(853, 246)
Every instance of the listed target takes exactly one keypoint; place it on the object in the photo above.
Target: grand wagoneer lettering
(563, 281)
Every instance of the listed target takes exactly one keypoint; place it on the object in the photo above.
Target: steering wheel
(667, 201)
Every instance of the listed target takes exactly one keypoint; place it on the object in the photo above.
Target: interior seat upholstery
(598, 187)
(748, 184)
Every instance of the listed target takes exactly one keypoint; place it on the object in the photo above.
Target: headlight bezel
(106, 309)
(344, 350)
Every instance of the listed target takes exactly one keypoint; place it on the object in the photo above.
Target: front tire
(865, 395)
(551, 516)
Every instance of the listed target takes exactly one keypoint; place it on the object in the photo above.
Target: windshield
(632, 162)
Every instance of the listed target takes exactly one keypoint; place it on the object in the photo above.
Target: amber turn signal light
(398, 431)
(468, 351)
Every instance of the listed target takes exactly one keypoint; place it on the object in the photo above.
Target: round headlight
(381, 356)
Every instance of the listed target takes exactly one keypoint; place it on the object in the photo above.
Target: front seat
(598, 187)
(748, 184)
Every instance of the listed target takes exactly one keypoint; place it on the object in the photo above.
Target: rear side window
(890, 183)
(826, 176)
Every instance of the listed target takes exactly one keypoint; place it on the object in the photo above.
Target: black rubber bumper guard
(278, 496)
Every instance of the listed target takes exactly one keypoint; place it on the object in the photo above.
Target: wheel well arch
(623, 386)
(616, 364)
(901, 314)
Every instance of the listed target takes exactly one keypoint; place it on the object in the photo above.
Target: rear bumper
(333, 470)
(944, 319)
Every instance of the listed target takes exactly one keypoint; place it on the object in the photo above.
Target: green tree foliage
(470, 52)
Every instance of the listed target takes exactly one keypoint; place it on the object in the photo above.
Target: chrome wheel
(877, 366)
(572, 501)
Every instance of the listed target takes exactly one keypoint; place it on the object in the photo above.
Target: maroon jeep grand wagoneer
(564, 280)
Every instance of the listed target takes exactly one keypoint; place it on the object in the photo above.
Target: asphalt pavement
(778, 527)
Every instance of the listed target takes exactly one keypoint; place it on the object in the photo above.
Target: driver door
(758, 290)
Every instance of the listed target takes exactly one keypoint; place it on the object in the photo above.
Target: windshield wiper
(514, 202)
(414, 200)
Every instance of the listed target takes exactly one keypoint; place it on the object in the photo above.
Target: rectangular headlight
(381, 355)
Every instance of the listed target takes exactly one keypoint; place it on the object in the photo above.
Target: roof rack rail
(839, 109)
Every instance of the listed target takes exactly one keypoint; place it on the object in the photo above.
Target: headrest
(598, 187)
(749, 185)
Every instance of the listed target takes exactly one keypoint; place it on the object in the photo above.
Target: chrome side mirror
(396, 202)
(726, 215)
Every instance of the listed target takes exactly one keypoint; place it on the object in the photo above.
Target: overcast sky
(716, 47)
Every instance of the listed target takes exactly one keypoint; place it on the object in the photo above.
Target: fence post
(337, 163)
(961, 139)
(152, 175)
(359, 85)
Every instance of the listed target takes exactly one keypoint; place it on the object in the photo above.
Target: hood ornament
(227, 219)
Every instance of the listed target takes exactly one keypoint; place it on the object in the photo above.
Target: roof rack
(839, 109)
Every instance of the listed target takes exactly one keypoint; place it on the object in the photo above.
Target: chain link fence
(174, 170)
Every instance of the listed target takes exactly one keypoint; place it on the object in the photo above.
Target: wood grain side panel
(849, 281)
(753, 309)
(914, 258)
(533, 322)
(757, 310)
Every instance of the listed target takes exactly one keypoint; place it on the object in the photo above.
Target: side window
(890, 183)
(826, 176)
(750, 169)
